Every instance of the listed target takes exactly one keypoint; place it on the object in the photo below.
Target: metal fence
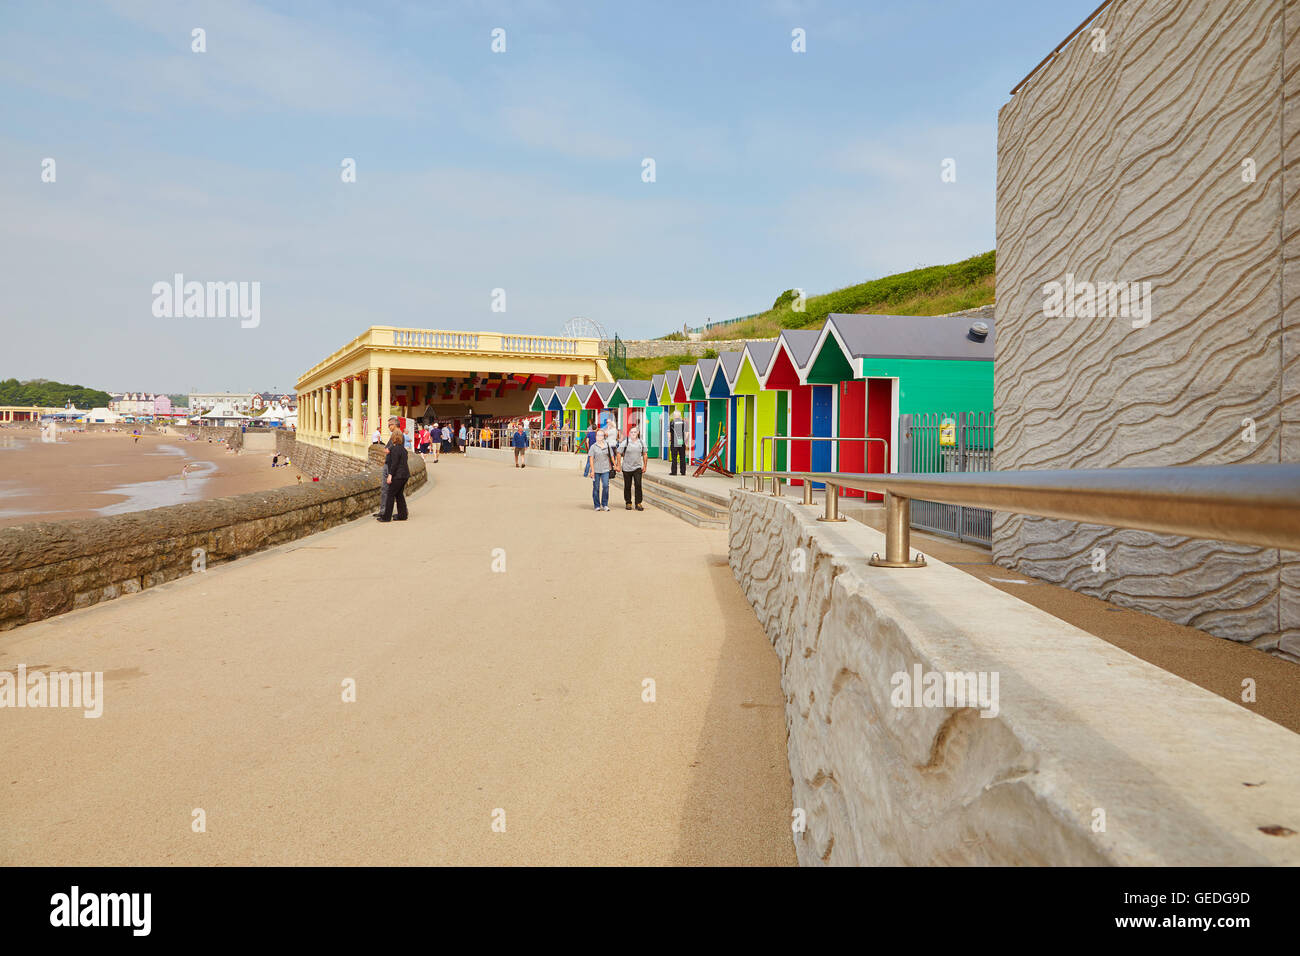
(934, 443)
(617, 360)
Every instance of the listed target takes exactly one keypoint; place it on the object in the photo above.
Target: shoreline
(94, 473)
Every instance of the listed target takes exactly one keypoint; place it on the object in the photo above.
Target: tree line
(43, 392)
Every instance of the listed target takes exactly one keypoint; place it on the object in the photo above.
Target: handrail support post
(832, 504)
(898, 534)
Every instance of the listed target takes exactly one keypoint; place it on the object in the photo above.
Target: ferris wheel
(583, 328)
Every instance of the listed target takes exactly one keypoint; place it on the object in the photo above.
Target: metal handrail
(1246, 504)
(762, 455)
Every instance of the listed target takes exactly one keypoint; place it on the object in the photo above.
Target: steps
(698, 506)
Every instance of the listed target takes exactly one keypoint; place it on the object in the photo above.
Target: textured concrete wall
(1093, 756)
(49, 568)
(1127, 165)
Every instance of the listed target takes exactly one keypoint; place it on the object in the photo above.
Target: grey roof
(687, 374)
(913, 336)
(583, 392)
(634, 389)
(730, 364)
(801, 343)
(761, 353)
(657, 383)
(562, 394)
(544, 394)
(706, 367)
(604, 390)
(670, 379)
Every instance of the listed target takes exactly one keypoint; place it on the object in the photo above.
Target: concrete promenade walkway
(475, 691)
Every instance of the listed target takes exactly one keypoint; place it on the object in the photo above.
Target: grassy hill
(933, 290)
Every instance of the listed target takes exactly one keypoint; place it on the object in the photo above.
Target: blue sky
(476, 170)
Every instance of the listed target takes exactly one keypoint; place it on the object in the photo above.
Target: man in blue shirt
(519, 441)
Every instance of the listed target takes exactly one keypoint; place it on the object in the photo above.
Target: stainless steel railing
(762, 455)
(1247, 504)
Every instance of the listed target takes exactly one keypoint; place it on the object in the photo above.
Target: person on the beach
(632, 459)
(398, 474)
(275, 461)
(599, 463)
(460, 438)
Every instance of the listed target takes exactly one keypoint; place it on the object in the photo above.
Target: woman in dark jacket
(399, 472)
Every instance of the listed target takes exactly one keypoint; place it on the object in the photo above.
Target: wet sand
(94, 473)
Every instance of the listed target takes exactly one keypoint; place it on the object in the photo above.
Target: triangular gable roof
(724, 375)
(634, 389)
(793, 348)
(540, 400)
(685, 378)
(703, 378)
(800, 343)
(558, 399)
(656, 387)
(753, 367)
(599, 397)
(669, 387)
(616, 397)
(578, 397)
(760, 355)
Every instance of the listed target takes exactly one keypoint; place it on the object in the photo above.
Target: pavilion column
(320, 411)
(387, 393)
(358, 433)
(329, 411)
(372, 403)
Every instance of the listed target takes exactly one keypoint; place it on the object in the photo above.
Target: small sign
(948, 433)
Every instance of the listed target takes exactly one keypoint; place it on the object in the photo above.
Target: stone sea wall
(48, 568)
(657, 348)
(1086, 756)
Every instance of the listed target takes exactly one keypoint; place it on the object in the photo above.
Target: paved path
(476, 691)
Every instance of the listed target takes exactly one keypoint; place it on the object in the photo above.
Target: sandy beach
(94, 473)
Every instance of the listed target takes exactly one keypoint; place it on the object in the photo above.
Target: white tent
(103, 416)
(274, 413)
(223, 416)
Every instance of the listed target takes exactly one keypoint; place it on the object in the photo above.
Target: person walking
(433, 442)
(384, 487)
(632, 462)
(599, 463)
(398, 474)
(446, 438)
(461, 435)
(677, 443)
(519, 441)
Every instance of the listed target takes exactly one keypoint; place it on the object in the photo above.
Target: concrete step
(700, 514)
(694, 488)
(707, 505)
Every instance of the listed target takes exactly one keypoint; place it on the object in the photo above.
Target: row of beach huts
(851, 379)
